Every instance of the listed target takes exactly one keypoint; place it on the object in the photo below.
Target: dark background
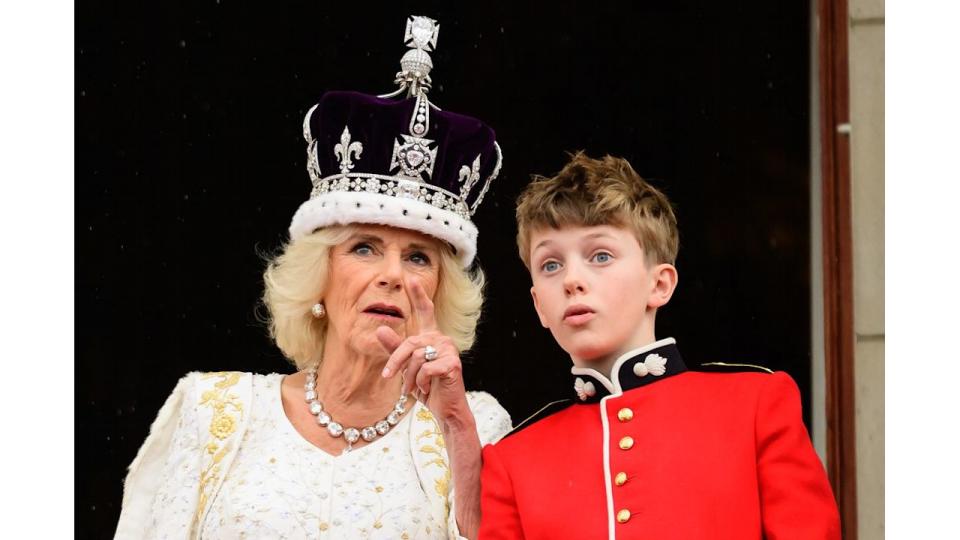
(191, 163)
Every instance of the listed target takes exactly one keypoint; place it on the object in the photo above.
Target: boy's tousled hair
(607, 191)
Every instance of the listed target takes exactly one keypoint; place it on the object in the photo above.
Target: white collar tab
(633, 369)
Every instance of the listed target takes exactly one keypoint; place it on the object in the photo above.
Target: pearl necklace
(350, 434)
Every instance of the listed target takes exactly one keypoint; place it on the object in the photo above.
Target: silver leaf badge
(584, 389)
(653, 364)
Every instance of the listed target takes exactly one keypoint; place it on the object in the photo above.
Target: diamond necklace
(351, 434)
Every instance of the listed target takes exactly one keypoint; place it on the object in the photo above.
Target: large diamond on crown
(413, 156)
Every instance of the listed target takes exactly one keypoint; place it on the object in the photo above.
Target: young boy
(648, 449)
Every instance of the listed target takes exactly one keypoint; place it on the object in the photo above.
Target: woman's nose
(391, 272)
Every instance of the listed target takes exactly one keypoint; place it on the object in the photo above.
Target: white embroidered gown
(281, 486)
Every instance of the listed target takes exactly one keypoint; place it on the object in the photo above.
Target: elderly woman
(372, 299)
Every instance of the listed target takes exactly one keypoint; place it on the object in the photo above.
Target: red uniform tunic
(694, 456)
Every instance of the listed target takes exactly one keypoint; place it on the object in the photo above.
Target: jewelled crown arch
(313, 164)
(490, 179)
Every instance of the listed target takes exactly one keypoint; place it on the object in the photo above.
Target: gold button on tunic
(626, 443)
(623, 516)
(625, 414)
(620, 479)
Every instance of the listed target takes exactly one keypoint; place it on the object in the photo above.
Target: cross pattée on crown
(421, 33)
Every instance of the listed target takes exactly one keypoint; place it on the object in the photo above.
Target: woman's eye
(602, 257)
(362, 249)
(420, 258)
(550, 266)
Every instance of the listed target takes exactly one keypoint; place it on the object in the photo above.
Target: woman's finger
(422, 306)
(447, 362)
(389, 338)
(400, 355)
(425, 377)
(412, 370)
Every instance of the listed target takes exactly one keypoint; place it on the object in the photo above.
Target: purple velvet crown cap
(402, 163)
(378, 122)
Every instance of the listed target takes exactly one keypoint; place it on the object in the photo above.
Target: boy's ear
(536, 306)
(664, 278)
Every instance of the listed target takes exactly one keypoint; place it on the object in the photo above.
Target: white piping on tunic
(606, 466)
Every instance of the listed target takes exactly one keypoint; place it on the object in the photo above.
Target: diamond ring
(429, 353)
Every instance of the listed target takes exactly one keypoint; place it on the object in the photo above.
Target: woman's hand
(439, 382)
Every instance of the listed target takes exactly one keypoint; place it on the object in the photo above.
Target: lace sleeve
(493, 421)
(161, 488)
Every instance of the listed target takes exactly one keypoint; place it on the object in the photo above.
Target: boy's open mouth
(578, 314)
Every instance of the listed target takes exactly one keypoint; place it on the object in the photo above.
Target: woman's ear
(664, 281)
(536, 306)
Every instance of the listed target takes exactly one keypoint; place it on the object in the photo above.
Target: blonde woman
(373, 299)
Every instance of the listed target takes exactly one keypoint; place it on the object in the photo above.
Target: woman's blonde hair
(297, 279)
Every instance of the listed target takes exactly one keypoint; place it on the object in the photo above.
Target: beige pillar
(866, 57)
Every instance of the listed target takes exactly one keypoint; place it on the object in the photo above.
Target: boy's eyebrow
(542, 243)
(590, 236)
(599, 235)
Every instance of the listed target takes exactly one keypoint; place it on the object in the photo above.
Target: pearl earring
(318, 310)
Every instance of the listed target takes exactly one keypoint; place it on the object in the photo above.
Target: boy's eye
(420, 258)
(602, 257)
(550, 266)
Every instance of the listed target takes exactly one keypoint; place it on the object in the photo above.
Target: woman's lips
(384, 311)
(383, 317)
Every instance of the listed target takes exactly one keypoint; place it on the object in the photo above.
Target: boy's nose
(572, 283)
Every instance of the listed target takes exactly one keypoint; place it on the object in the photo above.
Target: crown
(405, 163)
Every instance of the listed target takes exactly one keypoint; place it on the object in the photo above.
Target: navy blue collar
(636, 368)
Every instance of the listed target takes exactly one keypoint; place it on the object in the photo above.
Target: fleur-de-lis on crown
(469, 177)
(345, 148)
